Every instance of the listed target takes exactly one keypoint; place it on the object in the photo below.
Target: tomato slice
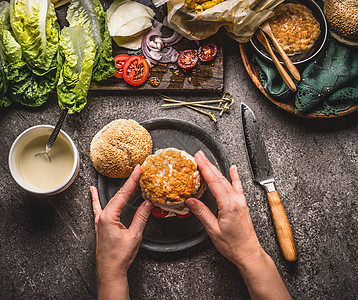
(184, 216)
(207, 52)
(135, 70)
(187, 59)
(120, 60)
(159, 213)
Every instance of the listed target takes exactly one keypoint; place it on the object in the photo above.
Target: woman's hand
(233, 233)
(116, 245)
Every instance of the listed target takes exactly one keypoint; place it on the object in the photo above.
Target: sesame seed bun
(169, 177)
(342, 17)
(119, 146)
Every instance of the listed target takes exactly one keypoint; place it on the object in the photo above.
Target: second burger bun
(169, 177)
(119, 146)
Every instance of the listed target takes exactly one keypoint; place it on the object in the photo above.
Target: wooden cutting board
(204, 78)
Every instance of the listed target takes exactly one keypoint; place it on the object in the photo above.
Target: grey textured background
(47, 245)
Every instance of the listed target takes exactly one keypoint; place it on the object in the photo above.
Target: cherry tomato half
(159, 213)
(187, 59)
(120, 60)
(135, 70)
(184, 216)
(207, 52)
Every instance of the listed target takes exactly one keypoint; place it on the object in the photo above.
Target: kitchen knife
(263, 174)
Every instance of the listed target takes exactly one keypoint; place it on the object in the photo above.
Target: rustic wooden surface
(204, 78)
(288, 106)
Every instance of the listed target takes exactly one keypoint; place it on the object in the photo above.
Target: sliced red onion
(170, 56)
(153, 45)
(174, 39)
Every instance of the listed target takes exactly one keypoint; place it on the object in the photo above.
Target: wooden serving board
(289, 106)
(204, 78)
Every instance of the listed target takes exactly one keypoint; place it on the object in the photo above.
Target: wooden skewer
(209, 114)
(286, 78)
(178, 103)
(290, 66)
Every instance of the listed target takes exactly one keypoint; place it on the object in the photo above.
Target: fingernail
(234, 168)
(148, 204)
(191, 203)
(201, 154)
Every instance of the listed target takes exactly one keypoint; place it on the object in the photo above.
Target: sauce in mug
(38, 170)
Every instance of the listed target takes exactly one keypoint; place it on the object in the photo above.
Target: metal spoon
(51, 140)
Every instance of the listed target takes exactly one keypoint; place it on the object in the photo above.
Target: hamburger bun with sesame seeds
(342, 17)
(169, 177)
(119, 146)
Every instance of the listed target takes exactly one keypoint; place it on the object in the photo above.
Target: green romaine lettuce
(22, 84)
(90, 15)
(37, 32)
(77, 54)
(32, 90)
(4, 100)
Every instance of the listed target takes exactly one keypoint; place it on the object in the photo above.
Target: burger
(169, 177)
(119, 146)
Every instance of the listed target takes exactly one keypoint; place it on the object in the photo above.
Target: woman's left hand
(116, 245)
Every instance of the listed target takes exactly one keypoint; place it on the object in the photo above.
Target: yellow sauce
(38, 170)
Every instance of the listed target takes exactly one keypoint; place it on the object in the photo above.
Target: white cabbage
(131, 42)
(128, 21)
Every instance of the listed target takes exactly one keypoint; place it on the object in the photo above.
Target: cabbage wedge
(77, 55)
(128, 22)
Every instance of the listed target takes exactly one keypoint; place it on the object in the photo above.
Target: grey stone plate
(170, 234)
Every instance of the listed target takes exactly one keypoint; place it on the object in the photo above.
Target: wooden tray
(245, 51)
(204, 78)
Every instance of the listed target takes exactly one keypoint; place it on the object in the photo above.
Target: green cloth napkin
(329, 83)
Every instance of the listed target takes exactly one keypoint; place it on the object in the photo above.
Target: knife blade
(263, 174)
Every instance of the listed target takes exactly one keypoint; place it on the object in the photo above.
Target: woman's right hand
(232, 232)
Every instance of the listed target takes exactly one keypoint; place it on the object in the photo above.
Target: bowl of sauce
(37, 174)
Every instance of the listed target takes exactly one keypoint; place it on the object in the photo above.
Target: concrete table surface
(47, 244)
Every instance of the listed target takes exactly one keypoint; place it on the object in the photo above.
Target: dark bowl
(304, 57)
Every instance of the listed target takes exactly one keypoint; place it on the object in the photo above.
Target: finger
(204, 214)
(218, 184)
(235, 179)
(236, 183)
(141, 217)
(122, 196)
(97, 209)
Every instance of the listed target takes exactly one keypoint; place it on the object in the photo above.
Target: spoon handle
(286, 78)
(51, 140)
(290, 66)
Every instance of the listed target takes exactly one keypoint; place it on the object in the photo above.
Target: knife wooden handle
(282, 227)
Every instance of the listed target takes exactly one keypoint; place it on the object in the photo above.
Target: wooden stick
(286, 78)
(290, 66)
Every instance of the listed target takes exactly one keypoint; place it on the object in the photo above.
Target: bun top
(342, 17)
(119, 146)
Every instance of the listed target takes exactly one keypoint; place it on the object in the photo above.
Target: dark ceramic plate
(306, 56)
(170, 234)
